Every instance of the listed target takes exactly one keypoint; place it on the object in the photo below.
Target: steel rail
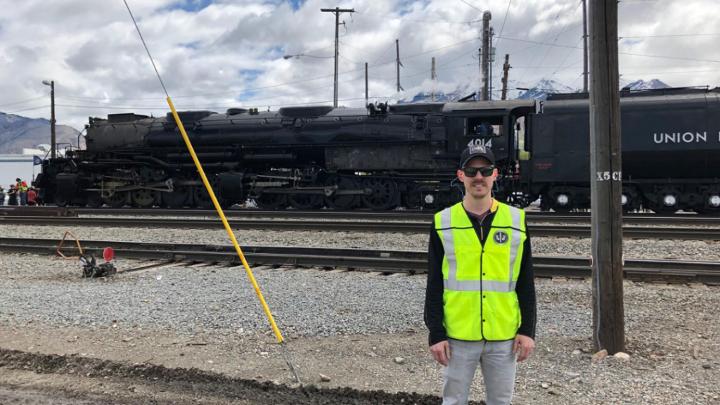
(581, 218)
(581, 231)
(386, 261)
(405, 215)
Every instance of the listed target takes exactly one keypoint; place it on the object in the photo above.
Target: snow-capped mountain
(643, 85)
(544, 87)
(460, 91)
(539, 91)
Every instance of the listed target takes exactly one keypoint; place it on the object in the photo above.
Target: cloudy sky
(229, 53)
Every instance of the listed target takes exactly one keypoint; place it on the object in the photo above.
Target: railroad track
(386, 261)
(376, 226)
(408, 215)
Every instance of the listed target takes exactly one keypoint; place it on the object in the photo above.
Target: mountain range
(18, 132)
(539, 91)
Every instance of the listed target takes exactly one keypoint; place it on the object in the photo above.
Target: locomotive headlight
(669, 200)
(623, 199)
(562, 199)
(714, 201)
(429, 199)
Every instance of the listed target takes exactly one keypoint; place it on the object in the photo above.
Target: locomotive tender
(399, 155)
(670, 140)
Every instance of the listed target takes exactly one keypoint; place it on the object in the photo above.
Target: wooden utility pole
(506, 70)
(485, 57)
(606, 179)
(398, 64)
(433, 77)
(337, 12)
(366, 84)
(585, 47)
(53, 143)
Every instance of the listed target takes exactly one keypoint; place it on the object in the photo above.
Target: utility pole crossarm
(336, 11)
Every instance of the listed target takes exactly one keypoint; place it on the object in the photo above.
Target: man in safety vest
(22, 190)
(480, 300)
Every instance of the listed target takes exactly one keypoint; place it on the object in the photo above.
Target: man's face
(477, 186)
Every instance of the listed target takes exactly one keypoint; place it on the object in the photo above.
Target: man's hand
(523, 346)
(441, 352)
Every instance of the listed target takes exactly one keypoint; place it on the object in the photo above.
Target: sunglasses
(486, 171)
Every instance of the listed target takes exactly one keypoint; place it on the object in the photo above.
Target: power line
(470, 5)
(558, 36)
(667, 36)
(23, 101)
(621, 53)
(433, 21)
(567, 55)
(502, 27)
(562, 30)
(28, 109)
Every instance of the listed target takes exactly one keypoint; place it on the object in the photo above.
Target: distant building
(14, 166)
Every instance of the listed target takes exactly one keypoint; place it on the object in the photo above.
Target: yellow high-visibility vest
(479, 298)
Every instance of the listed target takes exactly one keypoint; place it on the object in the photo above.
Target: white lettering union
(680, 137)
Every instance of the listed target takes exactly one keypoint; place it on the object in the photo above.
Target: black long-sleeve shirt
(525, 287)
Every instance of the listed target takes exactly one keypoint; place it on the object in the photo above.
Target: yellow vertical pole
(220, 212)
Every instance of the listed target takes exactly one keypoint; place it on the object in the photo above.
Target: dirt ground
(121, 364)
(130, 366)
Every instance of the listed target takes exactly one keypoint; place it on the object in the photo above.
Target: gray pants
(498, 365)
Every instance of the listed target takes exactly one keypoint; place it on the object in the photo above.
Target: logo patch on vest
(501, 237)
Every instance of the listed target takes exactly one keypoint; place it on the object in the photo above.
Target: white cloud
(230, 53)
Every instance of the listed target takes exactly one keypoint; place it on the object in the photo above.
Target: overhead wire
(668, 35)
(502, 27)
(27, 109)
(565, 28)
(621, 53)
(362, 14)
(23, 101)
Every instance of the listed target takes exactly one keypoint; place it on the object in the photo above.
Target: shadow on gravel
(198, 382)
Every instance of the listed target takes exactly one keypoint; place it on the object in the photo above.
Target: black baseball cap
(476, 151)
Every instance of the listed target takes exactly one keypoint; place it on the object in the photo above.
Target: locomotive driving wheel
(143, 198)
(342, 201)
(270, 201)
(306, 201)
(117, 199)
(201, 197)
(177, 198)
(384, 194)
(94, 199)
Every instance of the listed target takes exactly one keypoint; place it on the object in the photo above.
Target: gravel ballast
(351, 327)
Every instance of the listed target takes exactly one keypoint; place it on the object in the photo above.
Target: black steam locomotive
(398, 155)
(303, 157)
